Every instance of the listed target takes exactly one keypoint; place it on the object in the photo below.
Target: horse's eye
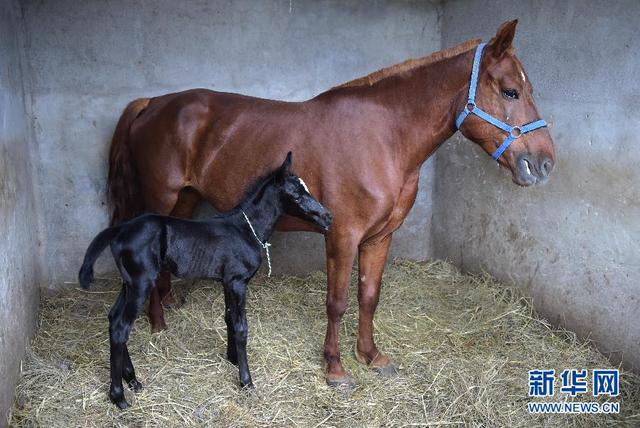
(510, 94)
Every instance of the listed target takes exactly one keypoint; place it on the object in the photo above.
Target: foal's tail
(97, 246)
(123, 183)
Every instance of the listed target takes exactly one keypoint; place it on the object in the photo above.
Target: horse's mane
(410, 64)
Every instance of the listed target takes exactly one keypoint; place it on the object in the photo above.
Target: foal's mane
(410, 64)
(256, 185)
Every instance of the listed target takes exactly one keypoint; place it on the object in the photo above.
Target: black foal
(227, 248)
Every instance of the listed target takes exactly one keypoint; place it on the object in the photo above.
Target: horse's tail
(123, 183)
(97, 246)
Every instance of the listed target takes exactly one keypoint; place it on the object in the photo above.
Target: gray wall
(88, 59)
(18, 222)
(573, 244)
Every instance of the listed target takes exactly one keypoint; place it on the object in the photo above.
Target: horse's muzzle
(532, 170)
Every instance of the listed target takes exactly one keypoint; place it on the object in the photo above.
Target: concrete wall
(18, 221)
(88, 59)
(573, 244)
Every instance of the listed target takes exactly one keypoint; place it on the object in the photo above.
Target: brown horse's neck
(426, 101)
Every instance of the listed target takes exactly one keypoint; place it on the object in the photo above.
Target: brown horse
(358, 146)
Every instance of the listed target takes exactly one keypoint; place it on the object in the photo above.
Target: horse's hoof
(172, 302)
(343, 382)
(135, 385)
(390, 370)
(157, 327)
(380, 364)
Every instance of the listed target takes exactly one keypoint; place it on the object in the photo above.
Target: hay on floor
(464, 344)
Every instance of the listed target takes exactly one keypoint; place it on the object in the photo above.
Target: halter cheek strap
(513, 132)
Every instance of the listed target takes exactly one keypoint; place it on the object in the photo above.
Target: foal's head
(505, 92)
(296, 199)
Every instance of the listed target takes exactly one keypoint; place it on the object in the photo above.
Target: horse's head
(505, 93)
(296, 199)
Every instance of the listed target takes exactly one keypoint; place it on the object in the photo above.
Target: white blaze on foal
(304, 185)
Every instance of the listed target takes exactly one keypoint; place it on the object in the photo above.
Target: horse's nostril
(546, 166)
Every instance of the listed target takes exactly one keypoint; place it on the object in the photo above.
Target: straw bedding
(464, 345)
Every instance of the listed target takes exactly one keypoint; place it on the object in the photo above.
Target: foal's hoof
(341, 382)
(122, 404)
(119, 401)
(247, 386)
(135, 385)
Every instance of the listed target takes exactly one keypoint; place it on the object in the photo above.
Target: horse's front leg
(371, 260)
(237, 292)
(341, 249)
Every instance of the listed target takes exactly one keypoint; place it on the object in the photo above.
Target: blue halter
(513, 131)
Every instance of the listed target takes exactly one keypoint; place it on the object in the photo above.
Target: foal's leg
(341, 251)
(117, 342)
(121, 318)
(237, 290)
(232, 353)
(129, 373)
(371, 259)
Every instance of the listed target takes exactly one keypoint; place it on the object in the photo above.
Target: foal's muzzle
(324, 220)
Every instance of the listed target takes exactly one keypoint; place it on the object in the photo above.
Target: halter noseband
(471, 108)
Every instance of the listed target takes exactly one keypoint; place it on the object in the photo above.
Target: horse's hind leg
(181, 204)
(188, 201)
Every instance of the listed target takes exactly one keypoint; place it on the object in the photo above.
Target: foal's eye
(510, 94)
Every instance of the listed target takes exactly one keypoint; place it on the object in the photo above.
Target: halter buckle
(470, 106)
(516, 132)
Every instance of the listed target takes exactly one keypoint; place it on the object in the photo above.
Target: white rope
(264, 245)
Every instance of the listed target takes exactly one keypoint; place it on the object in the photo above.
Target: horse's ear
(503, 38)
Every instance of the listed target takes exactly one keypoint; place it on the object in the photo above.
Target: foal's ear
(285, 169)
(503, 38)
(286, 165)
